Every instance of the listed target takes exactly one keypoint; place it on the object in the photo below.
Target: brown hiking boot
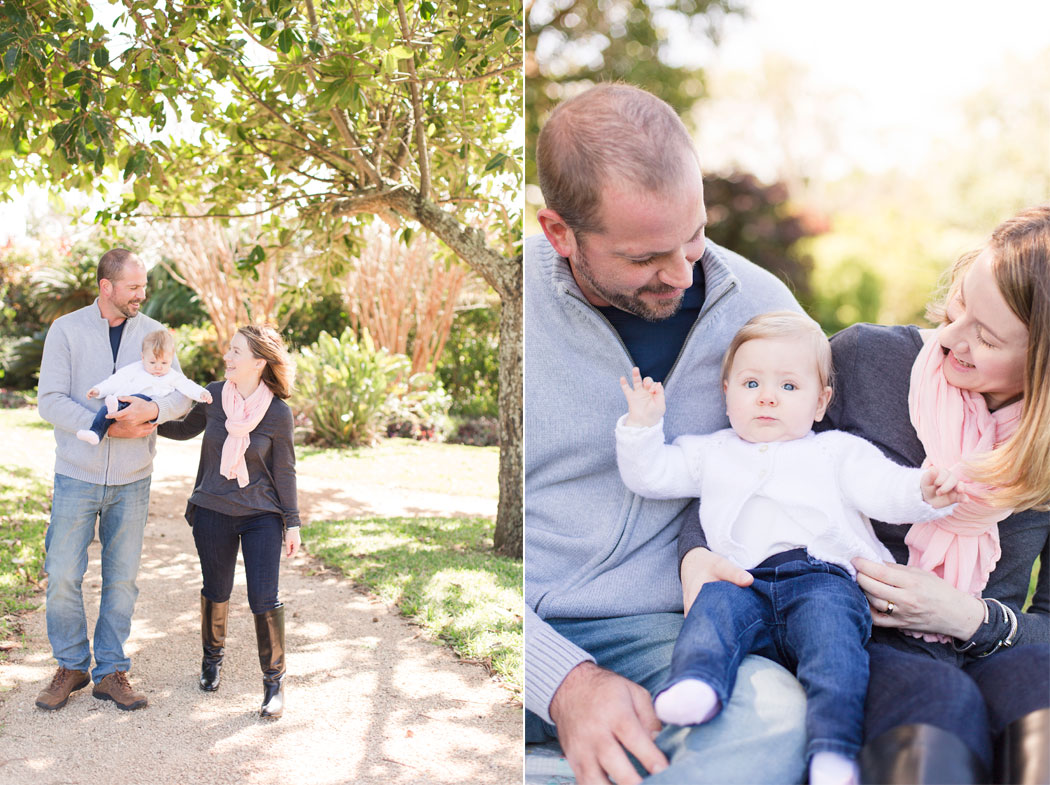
(115, 687)
(64, 682)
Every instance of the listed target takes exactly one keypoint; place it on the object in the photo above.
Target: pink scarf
(953, 425)
(242, 415)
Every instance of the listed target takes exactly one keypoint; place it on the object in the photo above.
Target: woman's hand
(921, 602)
(292, 541)
(702, 566)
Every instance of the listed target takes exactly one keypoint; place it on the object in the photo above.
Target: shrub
(171, 302)
(200, 356)
(418, 409)
(476, 432)
(20, 360)
(469, 366)
(343, 388)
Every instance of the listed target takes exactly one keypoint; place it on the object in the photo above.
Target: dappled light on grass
(23, 521)
(443, 574)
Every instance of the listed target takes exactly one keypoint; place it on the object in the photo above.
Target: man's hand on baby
(92, 393)
(940, 487)
(205, 397)
(645, 400)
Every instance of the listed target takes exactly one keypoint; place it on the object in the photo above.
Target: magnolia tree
(306, 114)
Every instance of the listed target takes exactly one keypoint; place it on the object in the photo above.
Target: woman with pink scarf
(244, 498)
(959, 688)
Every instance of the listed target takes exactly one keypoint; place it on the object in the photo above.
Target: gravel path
(368, 700)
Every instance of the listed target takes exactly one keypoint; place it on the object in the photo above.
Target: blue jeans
(758, 738)
(975, 702)
(806, 614)
(259, 537)
(101, 423)
(121, 513)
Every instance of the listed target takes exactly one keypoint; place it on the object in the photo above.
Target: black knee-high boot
(269, 631)
(919, 755)
(213, 639)
(1022, 752)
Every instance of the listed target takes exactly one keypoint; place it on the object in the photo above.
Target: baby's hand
(205, 397)
(940, 488)
(93, 393)
(645, 400)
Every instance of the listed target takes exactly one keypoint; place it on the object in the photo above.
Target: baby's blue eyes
(751, 384)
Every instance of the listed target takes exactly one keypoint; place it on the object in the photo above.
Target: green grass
(443, 574)
(24, 507)
(1031, 584)
(455, 469)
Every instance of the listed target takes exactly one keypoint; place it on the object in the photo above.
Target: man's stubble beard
(631, 303)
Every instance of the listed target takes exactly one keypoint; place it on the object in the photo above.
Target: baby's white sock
(87, 436)
(830, 768)
(112, 404)
(689, 702)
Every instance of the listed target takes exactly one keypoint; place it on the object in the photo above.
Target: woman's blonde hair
(784, 324)
(1019, 468)
(158, 344)
(265, 343)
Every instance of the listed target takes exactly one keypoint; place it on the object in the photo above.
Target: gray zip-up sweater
(77, 355)
(593, 549)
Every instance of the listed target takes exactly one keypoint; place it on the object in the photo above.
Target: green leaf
(101, 57)
(80, 50)
(495, 162)
(512, 36)
(285, 40)
(72, 78)
(426, 10)
(458, 42)
(12, 57)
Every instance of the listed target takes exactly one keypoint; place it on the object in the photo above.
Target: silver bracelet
(971, 643)
(1011, 636)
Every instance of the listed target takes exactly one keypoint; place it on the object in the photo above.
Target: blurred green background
(854, 149)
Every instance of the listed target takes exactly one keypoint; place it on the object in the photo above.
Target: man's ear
(105, 287)
(559, 235)
(822, 404)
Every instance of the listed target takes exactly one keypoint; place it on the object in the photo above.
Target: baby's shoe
(88, 436)
(112, 404)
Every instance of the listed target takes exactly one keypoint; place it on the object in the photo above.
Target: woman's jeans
(101, 422)
(806, 614)
(975, 701)
(758, 738)
(121, 512)
(260, 538)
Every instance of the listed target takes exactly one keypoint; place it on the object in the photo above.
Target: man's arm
(599, 714)
(54, 393)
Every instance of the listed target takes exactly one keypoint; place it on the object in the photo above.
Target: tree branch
(417, 107)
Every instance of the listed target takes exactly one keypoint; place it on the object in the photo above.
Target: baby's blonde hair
(158, 344)
(783, 324)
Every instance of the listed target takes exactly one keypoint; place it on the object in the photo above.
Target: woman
(245, 496)
(970, 695)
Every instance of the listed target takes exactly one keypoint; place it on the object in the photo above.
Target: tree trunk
(505, 276)
(509, 515)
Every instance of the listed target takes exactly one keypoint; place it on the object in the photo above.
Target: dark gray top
(872, 377)
(270, 459)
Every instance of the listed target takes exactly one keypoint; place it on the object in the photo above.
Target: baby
(152, 375)
(792, 508)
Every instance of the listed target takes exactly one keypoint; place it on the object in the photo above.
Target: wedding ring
(890, 607)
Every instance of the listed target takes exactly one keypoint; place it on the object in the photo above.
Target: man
(109, 482)
(624, 276)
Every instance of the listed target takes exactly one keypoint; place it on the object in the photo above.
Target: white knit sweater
(828, 484)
